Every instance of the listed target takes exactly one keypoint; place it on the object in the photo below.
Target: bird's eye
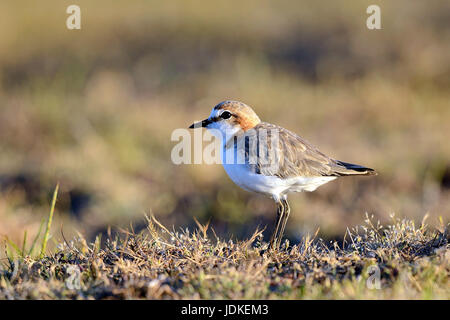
(225, 115)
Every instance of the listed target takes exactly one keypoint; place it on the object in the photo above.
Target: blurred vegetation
(93, 109)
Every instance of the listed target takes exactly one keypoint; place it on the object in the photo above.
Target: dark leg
(274, 238)
(287, 211)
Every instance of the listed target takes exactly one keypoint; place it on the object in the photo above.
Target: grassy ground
(399, 261)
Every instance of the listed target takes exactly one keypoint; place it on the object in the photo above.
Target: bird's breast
(247, 179)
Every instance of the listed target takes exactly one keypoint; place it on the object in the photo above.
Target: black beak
(200, 124)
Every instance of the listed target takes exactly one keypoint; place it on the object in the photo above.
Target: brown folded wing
(294, 156)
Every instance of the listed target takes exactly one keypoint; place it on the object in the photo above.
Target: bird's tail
(350, 169)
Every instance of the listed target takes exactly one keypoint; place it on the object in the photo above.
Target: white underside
(272, 186)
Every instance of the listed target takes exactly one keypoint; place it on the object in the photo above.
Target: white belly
(272, 186)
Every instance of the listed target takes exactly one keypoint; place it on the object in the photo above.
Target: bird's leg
(287, 211)
(274, 238)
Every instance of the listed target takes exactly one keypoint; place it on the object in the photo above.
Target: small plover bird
(277, 163)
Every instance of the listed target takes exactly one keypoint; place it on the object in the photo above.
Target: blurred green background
(95, 108)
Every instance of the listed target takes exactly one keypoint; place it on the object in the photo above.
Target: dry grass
(158, 263)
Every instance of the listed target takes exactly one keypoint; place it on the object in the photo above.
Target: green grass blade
(24, 243)
(13, 245)
(33, 244)
(49, 222)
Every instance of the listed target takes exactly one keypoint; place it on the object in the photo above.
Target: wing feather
(293, 156)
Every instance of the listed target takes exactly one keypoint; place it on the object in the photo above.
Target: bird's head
(229, 117)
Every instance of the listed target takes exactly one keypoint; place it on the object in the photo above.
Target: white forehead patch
(216, 113)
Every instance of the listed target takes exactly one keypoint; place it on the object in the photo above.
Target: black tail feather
(355, 169)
